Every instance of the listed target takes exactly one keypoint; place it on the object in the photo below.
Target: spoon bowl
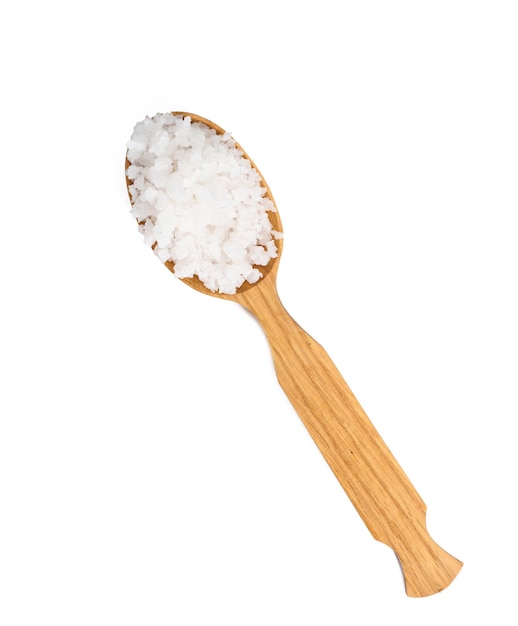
(273, 216)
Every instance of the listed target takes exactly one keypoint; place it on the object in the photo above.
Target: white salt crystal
(199, 202)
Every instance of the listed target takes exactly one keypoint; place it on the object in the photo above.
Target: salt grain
(199, 202)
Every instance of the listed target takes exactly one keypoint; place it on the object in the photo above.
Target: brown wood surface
(381, 492)
(383, 495)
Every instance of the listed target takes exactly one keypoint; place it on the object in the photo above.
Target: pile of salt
(199, 202)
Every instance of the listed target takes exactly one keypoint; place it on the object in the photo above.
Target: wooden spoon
(383, 495)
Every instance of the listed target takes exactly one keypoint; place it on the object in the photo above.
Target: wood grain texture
(381, 492)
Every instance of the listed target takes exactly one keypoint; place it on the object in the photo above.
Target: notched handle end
(427, 568)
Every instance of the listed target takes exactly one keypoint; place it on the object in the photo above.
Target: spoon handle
(381, 492)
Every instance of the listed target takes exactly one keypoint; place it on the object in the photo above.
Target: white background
(151, 469)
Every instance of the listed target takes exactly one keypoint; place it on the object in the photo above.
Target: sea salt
(199, 202)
